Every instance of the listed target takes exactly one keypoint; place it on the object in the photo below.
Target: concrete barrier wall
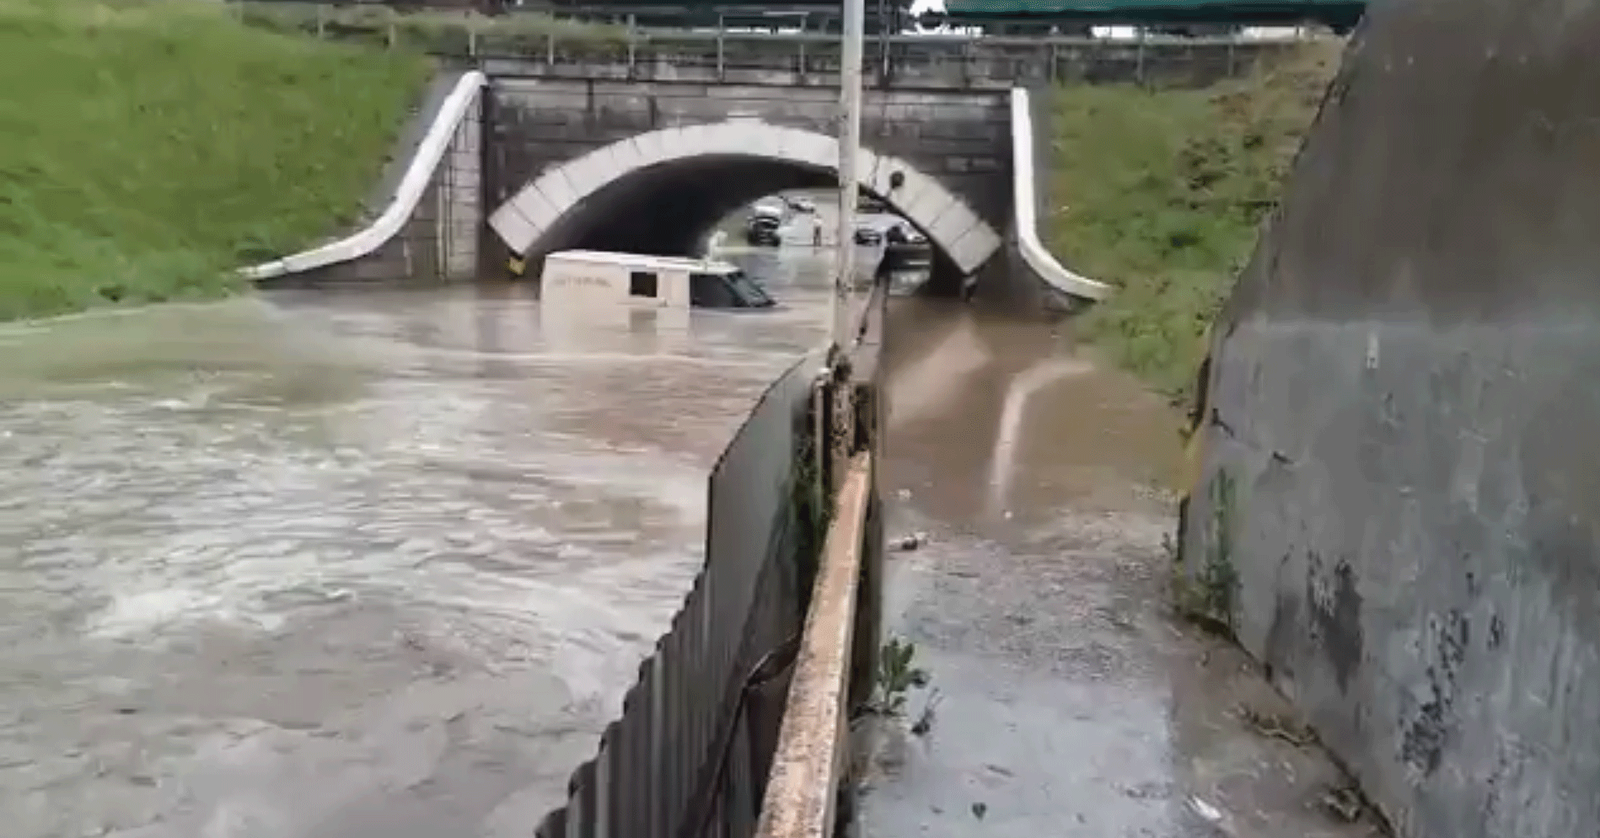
(1398, 508)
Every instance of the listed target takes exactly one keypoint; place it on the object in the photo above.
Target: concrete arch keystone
(949, 222)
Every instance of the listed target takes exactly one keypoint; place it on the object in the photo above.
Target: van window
(709, 291)
(749, 293)
(641, 284)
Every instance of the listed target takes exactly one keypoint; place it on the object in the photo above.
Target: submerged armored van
(595, 301)
(591, 279)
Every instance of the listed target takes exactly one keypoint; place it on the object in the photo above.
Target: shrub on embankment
(1160, 192)
(445, 31)
(152, 147)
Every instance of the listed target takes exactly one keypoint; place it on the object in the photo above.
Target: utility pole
(850, 95)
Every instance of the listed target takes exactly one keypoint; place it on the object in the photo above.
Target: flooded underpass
(346, 564)
(383, 563)
(1063, 697)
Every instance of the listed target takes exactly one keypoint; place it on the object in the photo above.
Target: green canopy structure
(810, 15)
(1337, 14)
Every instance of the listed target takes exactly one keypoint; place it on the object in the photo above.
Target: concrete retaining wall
(1398, 510)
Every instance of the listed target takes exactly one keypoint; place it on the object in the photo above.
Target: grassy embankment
(152, 147)
(1161, 192)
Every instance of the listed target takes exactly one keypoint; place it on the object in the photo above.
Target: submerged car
(868, 236)
(908, 248)
(763, 231)
(765, 225)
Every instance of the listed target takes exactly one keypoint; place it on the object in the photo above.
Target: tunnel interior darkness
(668, 209)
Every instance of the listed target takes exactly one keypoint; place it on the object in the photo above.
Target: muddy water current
(382, 563)
(347, 564)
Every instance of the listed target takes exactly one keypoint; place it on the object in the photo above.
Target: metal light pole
(850, 95)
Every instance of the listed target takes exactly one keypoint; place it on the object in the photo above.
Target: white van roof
(640, 261)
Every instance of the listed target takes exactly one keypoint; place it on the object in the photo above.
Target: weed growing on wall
(811, 503)
(151, 147)
(1205, 594)
(1160, 192)
(1218, 577)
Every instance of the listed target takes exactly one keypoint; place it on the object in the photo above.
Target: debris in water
(1276, 726)
(924, 722)
(907, 543)
(1343, 802)
(1212, 815)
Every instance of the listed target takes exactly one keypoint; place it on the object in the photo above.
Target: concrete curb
(813, 752)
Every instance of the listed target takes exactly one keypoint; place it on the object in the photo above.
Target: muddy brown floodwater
(382, 563)
(1063, 699)
(378, 563)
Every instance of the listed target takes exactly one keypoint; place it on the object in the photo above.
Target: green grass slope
(1159, 192)
(151, 147)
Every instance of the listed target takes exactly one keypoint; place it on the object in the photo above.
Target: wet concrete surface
(1063, 699)
(355, 564)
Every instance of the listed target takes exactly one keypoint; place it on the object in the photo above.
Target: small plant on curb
(897, 675)
(812, 508)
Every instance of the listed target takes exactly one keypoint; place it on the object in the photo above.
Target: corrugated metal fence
(690, 754)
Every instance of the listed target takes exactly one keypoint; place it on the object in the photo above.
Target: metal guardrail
(471, 12)
(571, 49)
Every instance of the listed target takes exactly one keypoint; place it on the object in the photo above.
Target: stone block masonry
(962, 138)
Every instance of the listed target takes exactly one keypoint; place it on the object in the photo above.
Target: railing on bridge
(574, 49)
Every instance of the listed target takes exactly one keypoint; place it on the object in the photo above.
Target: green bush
(438, 30)
(1160, 192)
(151, 147)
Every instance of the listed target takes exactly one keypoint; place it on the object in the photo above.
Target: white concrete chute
(455, 116)
(950, 224)
(1034, 254)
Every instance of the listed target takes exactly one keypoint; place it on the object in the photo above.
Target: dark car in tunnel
(765, 225)
(763, 231)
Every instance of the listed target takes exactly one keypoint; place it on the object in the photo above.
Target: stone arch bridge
(524, 159)
(651, 166)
